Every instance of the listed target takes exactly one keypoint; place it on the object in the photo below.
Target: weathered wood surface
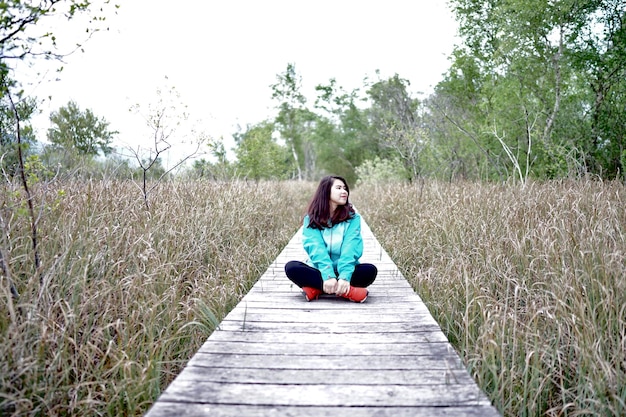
(277, 355)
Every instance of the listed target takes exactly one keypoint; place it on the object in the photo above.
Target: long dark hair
(319, 207)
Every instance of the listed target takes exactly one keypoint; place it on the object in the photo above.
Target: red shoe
(311, 293)
(356, 294)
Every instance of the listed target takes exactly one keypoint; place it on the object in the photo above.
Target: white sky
(222, 57)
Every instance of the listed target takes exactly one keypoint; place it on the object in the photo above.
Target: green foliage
(535, 89)
(344, 133)
(17, 17)
(259, 156)
(155, 172)
(378, 170)
(330, 150)
(598, 54)
(20, 40)
(220, 170)
(397, 118)
(294, 121)
(391, 104)
(35, 170)
(8, 125)
(63, 163)
(533, 78)
(80, 131)
(349, 137)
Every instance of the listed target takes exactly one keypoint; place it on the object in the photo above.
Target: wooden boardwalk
(277, 355)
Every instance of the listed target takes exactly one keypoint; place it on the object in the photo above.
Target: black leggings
(304, 275)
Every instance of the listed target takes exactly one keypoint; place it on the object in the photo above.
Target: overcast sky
(222, 56)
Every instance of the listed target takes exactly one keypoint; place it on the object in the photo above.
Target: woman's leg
(363, 275)
(304, 275)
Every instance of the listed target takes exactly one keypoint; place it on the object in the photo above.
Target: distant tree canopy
(22, 38)
(535, 90)
(80, 130)
(259, 156)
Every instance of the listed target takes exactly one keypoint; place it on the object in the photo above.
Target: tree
(259, 156)
(598, 53)
(18, 18)
(218, 168)
(546, 83)
(162, 119)
(80, 131)
(8, 138)
(396, 118)
(459, 110)
(23, 39)
(294, 121)
(345, 136)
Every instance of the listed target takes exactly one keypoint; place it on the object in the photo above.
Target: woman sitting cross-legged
(331, 236)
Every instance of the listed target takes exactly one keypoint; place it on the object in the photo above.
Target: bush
(379, 170)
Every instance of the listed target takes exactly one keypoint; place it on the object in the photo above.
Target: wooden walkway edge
(275, 354)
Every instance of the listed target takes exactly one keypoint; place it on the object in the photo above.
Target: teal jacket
(334, 251)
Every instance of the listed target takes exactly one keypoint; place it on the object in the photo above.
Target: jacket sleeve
(315, 248)
(351, 249)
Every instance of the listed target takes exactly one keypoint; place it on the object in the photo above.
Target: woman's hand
(330, 286)
(343, 287)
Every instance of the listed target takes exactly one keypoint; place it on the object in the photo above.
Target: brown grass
(529, 284)
(128, 295)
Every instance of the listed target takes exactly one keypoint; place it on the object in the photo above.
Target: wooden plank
(275, 354)
(181, 409)
(295, 304)
(324, 376)
(373, 363)
(433, 336)
(346, 327)
(325, 316)
(292, 289)
(297, 301)
(373, 297)
(323, 349)
(352, 395)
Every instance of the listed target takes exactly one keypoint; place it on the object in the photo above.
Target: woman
(331, 236)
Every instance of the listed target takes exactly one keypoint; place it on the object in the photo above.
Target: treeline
(535, 89)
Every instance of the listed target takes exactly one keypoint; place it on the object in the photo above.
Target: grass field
(528, 284)
(128, 295)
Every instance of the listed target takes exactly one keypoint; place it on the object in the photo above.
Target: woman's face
(338, 194)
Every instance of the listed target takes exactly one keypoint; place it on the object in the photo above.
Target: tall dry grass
(529, 284)
(128, 295)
